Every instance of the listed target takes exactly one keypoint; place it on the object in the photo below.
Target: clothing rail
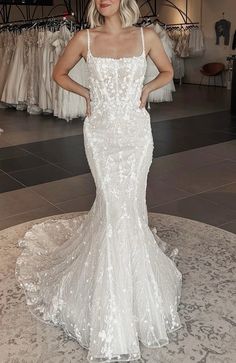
(178, 24)
(148, 17)
(63, 17)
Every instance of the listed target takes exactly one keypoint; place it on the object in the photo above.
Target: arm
(162, 62)
(73, 52)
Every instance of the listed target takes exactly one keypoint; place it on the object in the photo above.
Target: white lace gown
(104, 276)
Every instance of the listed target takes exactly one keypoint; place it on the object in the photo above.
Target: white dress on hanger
(78, 73)
(103, 276)
(33, 86)
(45, 51)
(74, 105)
(7, 57)
(177, 62)
(57, 44)
(196, 43)
(62, 102)
(24, 84)
(42, 102)
(11, 88)
(163, 94)
(2, 51)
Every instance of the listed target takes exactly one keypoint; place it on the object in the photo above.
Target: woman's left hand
(144, 97)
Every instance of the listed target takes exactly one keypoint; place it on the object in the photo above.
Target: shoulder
(78, 44)
(150, 36)
(149, 33)
(81, 36)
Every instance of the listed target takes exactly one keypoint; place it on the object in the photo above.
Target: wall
(211, 12)
(207, 12)
(171, 15)
(41, 11)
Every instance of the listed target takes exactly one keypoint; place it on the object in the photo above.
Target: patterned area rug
(207, 310)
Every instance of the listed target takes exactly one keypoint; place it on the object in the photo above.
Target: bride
(104, 276)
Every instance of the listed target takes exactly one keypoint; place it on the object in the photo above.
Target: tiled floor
(193, 173)
(189, 100)
(45, 161)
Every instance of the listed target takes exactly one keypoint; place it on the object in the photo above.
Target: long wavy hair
(129, 14)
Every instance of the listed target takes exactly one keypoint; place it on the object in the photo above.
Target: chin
(107, 12)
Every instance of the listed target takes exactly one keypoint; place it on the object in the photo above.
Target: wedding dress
(163, 94)
(105, 276)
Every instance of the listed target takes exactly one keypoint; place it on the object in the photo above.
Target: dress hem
(96, 360)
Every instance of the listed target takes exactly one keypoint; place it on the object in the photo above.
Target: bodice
(115, 83)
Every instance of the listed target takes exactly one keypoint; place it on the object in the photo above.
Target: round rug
(206, 260)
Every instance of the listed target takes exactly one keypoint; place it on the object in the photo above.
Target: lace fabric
(106, 277)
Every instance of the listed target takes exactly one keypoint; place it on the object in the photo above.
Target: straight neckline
(89, 53)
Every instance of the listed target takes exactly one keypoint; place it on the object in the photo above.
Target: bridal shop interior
(191, 184)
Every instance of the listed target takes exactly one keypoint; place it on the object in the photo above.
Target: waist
(114, 106)
(131, 113)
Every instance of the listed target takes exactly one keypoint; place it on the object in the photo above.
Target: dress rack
(183, 24)
(63, 17)
(150, 19)
(54, 20)
(154, 18)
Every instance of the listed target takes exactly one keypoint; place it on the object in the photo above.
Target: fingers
(88, 107)
(88, 111)
(142, 102)
(143, 99)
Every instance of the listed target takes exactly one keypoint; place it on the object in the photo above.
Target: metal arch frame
(81, 10)
(184, 14)
(81, 7)
(28, 11)
(168, 3)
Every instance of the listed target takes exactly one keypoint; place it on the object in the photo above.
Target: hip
(119, 120)
(119, 133)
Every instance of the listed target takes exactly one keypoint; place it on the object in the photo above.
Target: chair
(212, 70)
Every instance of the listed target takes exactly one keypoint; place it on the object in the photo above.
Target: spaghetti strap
(142, 36)
(88, 36)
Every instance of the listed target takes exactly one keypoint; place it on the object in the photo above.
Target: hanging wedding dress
(104, 276)
(8, 49)
(16, 70)
(163, 94)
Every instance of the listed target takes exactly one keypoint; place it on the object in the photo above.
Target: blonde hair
(129, 13)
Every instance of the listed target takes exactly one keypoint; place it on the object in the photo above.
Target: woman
(103, 276)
